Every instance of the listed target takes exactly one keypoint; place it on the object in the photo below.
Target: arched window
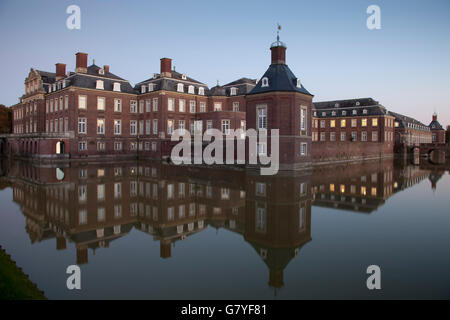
(299, 83)
(233, 91)
(264, 82)
(201, 91)
(191, 89)
(180, 87)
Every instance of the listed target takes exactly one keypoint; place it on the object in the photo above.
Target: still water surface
(145, 230)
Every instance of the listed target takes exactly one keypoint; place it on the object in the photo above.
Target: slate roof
(348, 108)
(243, 86)
(435, 125)
(280, 78)
(93, 71)
(404, 121)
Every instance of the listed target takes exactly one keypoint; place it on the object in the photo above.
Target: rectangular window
(83, 146)
(133, 146)
(169, 126)
(353, 123)
(354, 136)
(182, 105)
(209, 124)
(133, 130)
(181, 124)
(303, 149)
(302, 119)
(364, 136)
(117, 146)
(100, 103)
(322, 136)
(117, 105)
(155, 126)
(332, 136)
(374, 122)
(202, 107)
(262, 148)
(170, 104)
(235, 106)
(374, 136)
(147, 127)
(192, 106)
(141, 106)
(82, 103)
(100, 126)
(262, 118)
(218, 106)
(141, 127)
(66, 102)
(117, 127)
(133, 106)
(332, 123)
(226, 127)
(101, 146)
(155, 104)
(364, 122)
(322, 123)
(343, 123)
(343, 136)
(148, 106)
(81, 126)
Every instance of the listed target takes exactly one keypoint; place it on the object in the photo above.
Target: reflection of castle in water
(93, 205)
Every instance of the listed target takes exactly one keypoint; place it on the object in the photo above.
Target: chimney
(60, 71)
(278, 54)
(166, 67)
(82, 59)
(106, 68)
(434, 117)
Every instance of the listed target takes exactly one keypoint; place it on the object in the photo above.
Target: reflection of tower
(165, 249)
(278, 220)
(434, 178)
(60, 243)
(82, 255)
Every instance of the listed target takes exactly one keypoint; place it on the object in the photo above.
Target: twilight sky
(405, 65)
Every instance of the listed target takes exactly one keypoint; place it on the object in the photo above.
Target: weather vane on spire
(278, 31)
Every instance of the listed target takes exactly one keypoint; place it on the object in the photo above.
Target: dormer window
(365, 111)
(49, 89)
(315, 113)
(336, 105)
(64, 83)
(101, 72)
(99, 85)
(357, 103)
(299, 83)
(116, 86)
(58, 85)
(324, 114)
(355, 112)
(201, 91)
(54, 87)
(264, 82)
(233, 91)
(333, 113)
(155, 75)
(180, 87)
(151, 87)
(183, 76)
(191, 89)
(344, 113)
(143, 89)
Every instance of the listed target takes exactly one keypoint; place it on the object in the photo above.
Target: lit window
(99, 85)
(217, 106)
(364, 122)
(82, 102)
(374, 122)
(343, 123)
(332, 123)
(100, 126)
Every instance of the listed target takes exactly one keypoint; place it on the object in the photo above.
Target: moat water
(144, 230)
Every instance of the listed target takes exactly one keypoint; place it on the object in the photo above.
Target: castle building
(92, 113)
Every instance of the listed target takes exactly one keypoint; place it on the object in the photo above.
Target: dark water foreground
(155, 231)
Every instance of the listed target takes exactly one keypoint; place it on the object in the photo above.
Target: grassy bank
(14, 284)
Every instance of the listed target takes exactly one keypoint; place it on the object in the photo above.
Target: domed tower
(280, 101)
(438, 133)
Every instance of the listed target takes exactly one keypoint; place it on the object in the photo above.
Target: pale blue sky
(405, 65)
